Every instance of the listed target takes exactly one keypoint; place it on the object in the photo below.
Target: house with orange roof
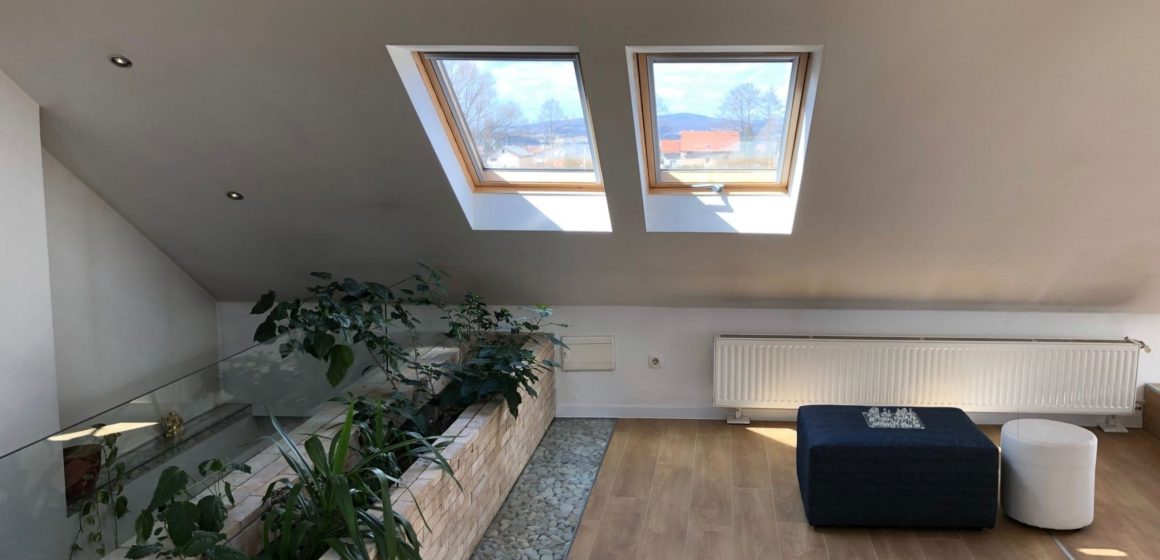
(701, 145)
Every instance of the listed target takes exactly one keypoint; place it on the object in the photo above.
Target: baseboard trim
(588, 410)
(694, 412)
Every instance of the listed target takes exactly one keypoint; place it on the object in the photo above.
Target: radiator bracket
(738, 418)
(1112, 425)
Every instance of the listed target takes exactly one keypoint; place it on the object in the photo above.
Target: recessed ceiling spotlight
(120, 61)
(234, 195)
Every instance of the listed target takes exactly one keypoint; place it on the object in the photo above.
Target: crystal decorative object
(899, 418)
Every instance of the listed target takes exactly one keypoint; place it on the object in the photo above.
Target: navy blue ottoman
(851, 475)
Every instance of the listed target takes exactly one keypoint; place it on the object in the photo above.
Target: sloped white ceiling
(972, 154)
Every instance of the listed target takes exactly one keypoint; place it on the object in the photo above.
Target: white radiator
(976, 375)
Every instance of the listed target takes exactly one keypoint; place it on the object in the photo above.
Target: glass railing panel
(218, 411)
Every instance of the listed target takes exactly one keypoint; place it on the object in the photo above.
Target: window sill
(728, 190)
(555, 188)
(759, 213)
(543, 211)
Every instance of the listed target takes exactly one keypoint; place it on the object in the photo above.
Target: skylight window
(719, 121)
(518, 121)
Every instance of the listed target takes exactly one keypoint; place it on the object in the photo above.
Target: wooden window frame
(506, 181)
(733, 182)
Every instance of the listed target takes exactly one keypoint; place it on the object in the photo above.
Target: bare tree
(774, 109)
(487, 118)
(661, 110)
(550, 116)
(746, 109)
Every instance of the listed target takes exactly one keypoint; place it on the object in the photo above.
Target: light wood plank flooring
(704, 490)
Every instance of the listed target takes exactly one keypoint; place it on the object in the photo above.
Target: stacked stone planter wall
(488, 450)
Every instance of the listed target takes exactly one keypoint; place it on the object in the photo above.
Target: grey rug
(539, 518)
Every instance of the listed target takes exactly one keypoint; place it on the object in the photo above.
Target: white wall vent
(588, 353)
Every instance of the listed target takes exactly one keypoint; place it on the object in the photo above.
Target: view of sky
(699, 87)
(529, 83)
(681, 87)
(494, 98)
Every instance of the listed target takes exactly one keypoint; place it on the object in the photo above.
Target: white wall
(684, 336)
(236, 326)
(127, 318)
(28, 370)
(32, 480)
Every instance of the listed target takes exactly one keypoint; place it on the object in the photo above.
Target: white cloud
(699, 87)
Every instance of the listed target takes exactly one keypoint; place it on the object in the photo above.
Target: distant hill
(670, 126)
(566, 127)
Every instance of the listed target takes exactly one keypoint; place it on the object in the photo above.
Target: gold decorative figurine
(174, 425)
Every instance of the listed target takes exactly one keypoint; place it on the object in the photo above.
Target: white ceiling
(969, 154)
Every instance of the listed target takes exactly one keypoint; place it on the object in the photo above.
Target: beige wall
(987, 154)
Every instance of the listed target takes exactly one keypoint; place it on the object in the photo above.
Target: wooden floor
(700, 490)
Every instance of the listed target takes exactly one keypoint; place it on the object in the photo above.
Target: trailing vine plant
(175, 526)
(105, 502)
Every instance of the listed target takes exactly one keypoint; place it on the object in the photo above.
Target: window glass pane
(520, 114)
(720, 115)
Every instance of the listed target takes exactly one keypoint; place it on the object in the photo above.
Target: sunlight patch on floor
(1103, 552)
(784, 436)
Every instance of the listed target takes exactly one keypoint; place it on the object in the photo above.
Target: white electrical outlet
(655, 361)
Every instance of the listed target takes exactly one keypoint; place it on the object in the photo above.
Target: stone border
(539, 518)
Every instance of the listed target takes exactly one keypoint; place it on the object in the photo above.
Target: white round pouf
(1049, 474)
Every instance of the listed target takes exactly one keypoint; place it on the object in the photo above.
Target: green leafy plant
(107, 501)
(383, 444)
(340, 315)
(498, 357)
(192, 529)
(340, 498)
